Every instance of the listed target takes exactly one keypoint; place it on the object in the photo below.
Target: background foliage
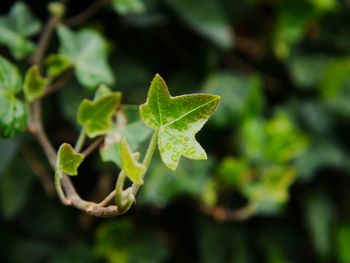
(278, 144)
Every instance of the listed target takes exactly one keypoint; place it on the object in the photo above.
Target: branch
(86, 14)
(221, 214)
(92, 147)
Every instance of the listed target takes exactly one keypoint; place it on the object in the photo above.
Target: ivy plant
(169, 123)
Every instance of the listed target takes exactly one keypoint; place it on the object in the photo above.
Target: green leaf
(13, 115)
(177, 119)
(87, 52)
(56, 65)
(96, 116)
(16, 27)
(207, 18)
(68, 160)
(34, 84)
(128, 6)
(132, 168)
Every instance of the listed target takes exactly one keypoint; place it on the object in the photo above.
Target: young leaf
(16, 27)
(132, 168)
(56, 65)
(34, 83)
(96, 115)
(177, 119)
(13, 114)
(87, 52)
(68, 160)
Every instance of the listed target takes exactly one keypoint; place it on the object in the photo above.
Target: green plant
(174, 120)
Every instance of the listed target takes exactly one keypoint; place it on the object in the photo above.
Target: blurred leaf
(96, 116)
(293, 18)
(306, 70)
(77, 253)
(233, 172)
(207, 18)
(136, 133)
(16, 27)
(128, 6)
(8, 150)
(271, 190)
(177, 119)
(276, 140)
(118, 242)
(319, 218)
(343, 243)
(87, 52)
(132, 168)
(13, 115)
(34, 84)
(56, 65)
(321, 154)
(241, 96)
(68, 159)
(162, 185)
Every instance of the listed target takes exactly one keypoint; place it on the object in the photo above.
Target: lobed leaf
(132, 168)
(34, 83)
(177, 120)
(68, 160)
(13, 115)
(96, 115)
(16, 27)
(87, 52)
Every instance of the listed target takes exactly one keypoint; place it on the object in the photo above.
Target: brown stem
(59, 83)
(86, 14)
(220, 213)
(92, 147)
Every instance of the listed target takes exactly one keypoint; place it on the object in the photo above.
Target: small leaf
(34, 83)
(132, 168)
(68, 160)
(13, 115)
(16, 27)
(177, 119)
(87, 52)
(128, 6)
(56, 65)
(96, 115)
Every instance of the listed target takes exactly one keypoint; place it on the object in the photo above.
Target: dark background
(279, 141)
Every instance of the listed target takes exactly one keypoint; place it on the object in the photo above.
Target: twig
(220, 213)
(86, 14)
(45, 40)
(58, 84)
(92, 147)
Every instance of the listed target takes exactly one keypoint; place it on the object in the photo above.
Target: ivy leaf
(68, 160)
(87, 52)
(96, 115)
(16, 27)
(56, 65)
(132, 168)
(177, 119)
(13, 116)
(34, 83)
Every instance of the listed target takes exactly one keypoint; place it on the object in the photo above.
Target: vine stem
(80, 142)
(148, 158)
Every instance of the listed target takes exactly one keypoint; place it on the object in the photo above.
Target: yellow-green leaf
(68, 160)
(132, 168)
(177, 119)
(34, 83)
(96, 116)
